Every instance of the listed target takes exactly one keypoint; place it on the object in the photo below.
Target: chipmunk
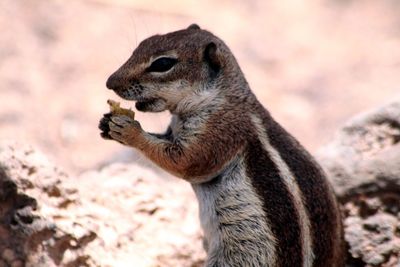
(263, 199)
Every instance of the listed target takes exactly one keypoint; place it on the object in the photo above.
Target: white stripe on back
(292, 186)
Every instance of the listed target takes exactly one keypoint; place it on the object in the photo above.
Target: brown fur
(213, 143)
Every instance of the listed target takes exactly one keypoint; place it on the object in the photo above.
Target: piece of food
(115, 109)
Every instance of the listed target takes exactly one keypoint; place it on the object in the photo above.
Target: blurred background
(311, 63)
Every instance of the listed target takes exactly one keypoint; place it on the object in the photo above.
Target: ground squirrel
(263, 200)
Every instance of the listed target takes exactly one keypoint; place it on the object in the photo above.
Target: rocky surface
(112, 217)
(364, 166)
(32, 195)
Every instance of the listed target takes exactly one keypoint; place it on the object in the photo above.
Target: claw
(107, 115)
(105, 135)
(103, 124)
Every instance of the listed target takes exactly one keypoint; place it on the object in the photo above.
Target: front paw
(124, 129)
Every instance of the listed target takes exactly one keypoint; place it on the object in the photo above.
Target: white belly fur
(236, 230)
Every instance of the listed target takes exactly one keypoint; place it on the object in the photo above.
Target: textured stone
(363, 163)
(32, 194)
(119, 215)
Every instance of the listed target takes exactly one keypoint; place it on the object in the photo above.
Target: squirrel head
(165, 69)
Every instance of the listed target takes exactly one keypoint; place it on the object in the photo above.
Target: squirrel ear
(211, 57)
(193, 26)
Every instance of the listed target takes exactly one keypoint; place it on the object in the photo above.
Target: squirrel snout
(115, 83)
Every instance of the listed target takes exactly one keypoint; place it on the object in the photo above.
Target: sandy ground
(311, 63)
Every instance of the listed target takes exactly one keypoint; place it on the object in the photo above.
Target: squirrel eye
(162, 64)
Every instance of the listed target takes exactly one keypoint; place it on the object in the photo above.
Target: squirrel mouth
(143, 104)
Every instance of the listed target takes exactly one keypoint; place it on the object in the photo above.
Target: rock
(150, 221)
(119, 215)
(363, 163)
(32, 194)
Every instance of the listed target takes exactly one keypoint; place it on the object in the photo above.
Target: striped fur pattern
(291, 184)
(263, 199)
(236, 230)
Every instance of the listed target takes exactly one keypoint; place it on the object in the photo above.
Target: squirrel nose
(114, 82)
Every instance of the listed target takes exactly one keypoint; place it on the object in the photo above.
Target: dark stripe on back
(278, 204)
(314, 187)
